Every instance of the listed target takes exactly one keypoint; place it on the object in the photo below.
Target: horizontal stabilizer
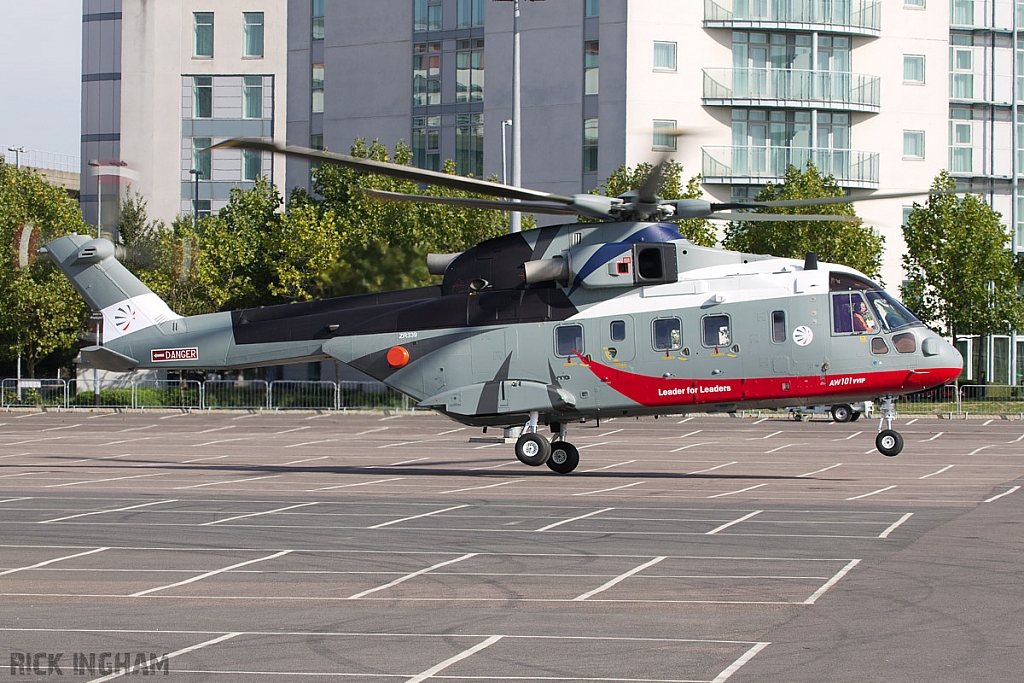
(102, 358)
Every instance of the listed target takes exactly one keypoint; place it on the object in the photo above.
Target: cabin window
(905, 342)
(668, 334)
(851, 315)
(617, 330)
(717, 331)
(778, 326)
(568, 340)
(878, 346)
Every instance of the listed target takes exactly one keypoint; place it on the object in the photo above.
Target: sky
(41, 76)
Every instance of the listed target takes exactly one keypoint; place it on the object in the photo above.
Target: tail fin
(107, 286)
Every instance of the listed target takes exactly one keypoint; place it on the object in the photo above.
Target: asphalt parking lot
(369, 547)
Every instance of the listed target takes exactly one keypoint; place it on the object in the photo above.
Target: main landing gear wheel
(889, 442)
(533, 449)
(564, 457)
(842, 412)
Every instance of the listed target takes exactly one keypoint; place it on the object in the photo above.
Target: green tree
(626, 178)
(383, 244)
(136, 233)
(39, 310)
(961, 278)
(852, 244)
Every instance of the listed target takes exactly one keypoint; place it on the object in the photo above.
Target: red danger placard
(164, 355)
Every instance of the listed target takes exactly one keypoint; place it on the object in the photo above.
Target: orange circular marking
(398, 356)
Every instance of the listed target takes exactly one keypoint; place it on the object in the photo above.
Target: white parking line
(1004, 493)
(488, 486)
(228, 481)
(735, 521)
(257, 514)
(865, 495)
(618, 579)
(191, 648)
(361, 483)
(986, 423)
(892, 527)
(683, 436)
(103, 512)
(54, 429)
(614, 488)
(913, 421)
(451, 431)
(210, 443)
(779, 448)
(216, 429)
(296, 462)
(371, 431)
(732, 493)
(405, 578)
(211, 457)
(12, 500)
(712, 469)
(979, 450)
(56, 559)
(944, 469)
(614, 431)
(136, 429)
(851, 436)
(208, 574)
(288, 431)
(932, 438)
(574, 519)
(429, 673)
(97, 481)
(608, 467)
(735, 666)
(692, 445)
(425, 514)
(766, 436)
(309, 443)
(1017, 440)
(823, 469)
(831, 582)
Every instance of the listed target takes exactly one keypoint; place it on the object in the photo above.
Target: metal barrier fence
(200, 395)
(965, 399)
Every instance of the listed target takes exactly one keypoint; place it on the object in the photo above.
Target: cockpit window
(891, 312)
(882, 309)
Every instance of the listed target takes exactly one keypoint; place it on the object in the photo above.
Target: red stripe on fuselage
(658, 391)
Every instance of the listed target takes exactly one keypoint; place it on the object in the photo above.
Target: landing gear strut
(889, 442)
(535, 450)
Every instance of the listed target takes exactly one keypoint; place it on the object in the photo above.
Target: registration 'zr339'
(408, 335)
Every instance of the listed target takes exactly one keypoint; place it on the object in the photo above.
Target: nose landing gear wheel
(889, 442)
(533, 449)
(564, 457)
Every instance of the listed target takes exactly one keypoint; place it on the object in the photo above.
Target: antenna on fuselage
(810, 261)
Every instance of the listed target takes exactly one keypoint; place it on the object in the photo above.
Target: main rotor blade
(820, 201)
(743, 216)
(473, 203)
(391, 170)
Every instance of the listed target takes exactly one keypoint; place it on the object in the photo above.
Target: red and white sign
(166, 355)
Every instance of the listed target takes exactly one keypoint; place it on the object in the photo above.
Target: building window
(426, 142)
(202, 97)
(961, 77)
(318, 88)
(913, 4)
(591, 8)
(426, 15)
(590, 145)
(202, 34)
(426, 74)
(591, 52)
(316, 141)
(962, 12)
(469, 71)
(469, 13)
(201, 157)
(913, 69)
(664, 139)
(252, 34)
(318, 19)
(252, 164)
(664, 56)
(469, 145)
(252, 97)
(913, 144)
(961, 138)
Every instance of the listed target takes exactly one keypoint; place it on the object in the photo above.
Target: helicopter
(559, 324)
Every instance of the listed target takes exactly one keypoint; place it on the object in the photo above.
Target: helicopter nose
(943, 363)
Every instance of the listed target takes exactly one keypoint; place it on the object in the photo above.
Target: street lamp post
(99, 198)
(195, 173)
(18, 151)
(504, 164)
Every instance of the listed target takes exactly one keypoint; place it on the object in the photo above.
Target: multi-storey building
(160, 82)
(881, 94)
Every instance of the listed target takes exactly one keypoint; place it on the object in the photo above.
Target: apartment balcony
(754, 165)
(856, 17)
(792, 88)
